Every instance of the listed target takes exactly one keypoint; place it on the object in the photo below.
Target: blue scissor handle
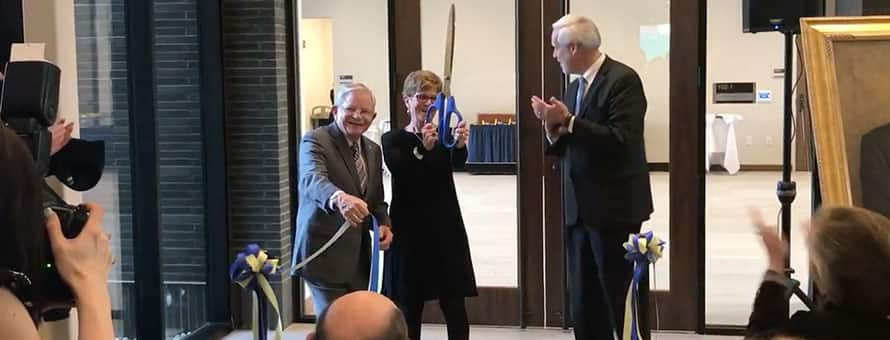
(445, 107)
(438, 106)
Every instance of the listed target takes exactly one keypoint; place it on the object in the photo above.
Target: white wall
(620, 24)
(484, 71)
(733, 56)
(361, 44)
(484, 61)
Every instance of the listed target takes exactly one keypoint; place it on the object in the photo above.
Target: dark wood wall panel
(685, 303)
(554, 230)
(404, 53)
(530, 166)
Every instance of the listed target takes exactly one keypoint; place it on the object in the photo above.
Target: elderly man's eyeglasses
(355, 110)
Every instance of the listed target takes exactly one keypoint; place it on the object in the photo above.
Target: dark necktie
(359, 166)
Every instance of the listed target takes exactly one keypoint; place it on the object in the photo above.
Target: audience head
(354, 109)
(361, 315)
(22, 225)
(418, 92)
(576, 42)
(849, 249)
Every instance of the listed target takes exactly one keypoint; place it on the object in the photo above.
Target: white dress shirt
(589, 75)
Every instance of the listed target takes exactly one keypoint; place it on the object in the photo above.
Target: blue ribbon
(642, 250)
(375, 256)
(252, 267)
(251, 270)
(445, 107)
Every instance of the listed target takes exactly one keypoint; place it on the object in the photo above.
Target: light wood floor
(435, 332)
(735, 260)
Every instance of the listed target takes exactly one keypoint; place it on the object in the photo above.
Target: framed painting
(847, 65)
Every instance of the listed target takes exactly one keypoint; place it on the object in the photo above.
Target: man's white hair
(578, 30)
(346, 89)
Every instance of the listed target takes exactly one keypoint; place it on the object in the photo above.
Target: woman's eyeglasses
(424, 97)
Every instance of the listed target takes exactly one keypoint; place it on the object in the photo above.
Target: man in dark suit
(340, 180)
(874, 167)
(606, 191)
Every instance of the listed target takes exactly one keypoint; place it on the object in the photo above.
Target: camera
(29, 106)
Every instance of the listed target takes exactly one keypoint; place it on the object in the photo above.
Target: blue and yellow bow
(250, 270)
(642, 250)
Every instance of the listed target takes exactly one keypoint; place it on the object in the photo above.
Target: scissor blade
(449, 52)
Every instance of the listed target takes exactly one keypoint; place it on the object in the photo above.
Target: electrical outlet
(749, 140)
(769, 140)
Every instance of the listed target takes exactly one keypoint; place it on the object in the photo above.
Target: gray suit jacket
(326, 166)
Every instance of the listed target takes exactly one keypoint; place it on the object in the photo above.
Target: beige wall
(620, 24)
(733, 56)
(484, 62)
(484, 71)
(316, 66)
(360, 44)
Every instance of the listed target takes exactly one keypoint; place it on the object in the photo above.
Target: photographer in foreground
(83, 262)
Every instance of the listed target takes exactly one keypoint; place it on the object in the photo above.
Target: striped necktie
(359, 165)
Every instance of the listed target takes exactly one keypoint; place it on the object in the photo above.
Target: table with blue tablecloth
(492, 149)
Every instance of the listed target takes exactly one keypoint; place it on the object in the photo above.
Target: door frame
(686, 169)
(532, 303)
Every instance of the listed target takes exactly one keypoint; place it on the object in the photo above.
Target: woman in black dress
(430, 259)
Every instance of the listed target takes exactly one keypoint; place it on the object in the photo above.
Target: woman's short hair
(421, 81)
(850, 250)
(23, 237)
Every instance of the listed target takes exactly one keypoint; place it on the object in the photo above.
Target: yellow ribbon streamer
(654, 250)
(256, 264)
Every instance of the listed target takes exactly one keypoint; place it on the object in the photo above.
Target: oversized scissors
(444, 107)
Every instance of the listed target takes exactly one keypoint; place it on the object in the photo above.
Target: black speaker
(778, 15)
(31, 90)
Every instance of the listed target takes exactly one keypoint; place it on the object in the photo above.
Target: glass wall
(637, 33)
(342, 41)
(103, 90)
(104, 115)
(178, 108)
(744, 158)
(484, 85)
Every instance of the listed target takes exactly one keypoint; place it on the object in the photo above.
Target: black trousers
(455, 312)
(598, 278)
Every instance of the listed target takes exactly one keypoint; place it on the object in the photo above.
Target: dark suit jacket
(874, 168)
(828, 322)
(605, 154)
(326, 166)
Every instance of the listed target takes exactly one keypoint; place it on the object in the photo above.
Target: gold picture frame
(847, 65)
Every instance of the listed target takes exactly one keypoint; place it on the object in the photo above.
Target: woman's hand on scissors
(460, 134)
(430, 136)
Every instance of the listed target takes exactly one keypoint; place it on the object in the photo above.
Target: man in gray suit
(340, 180)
